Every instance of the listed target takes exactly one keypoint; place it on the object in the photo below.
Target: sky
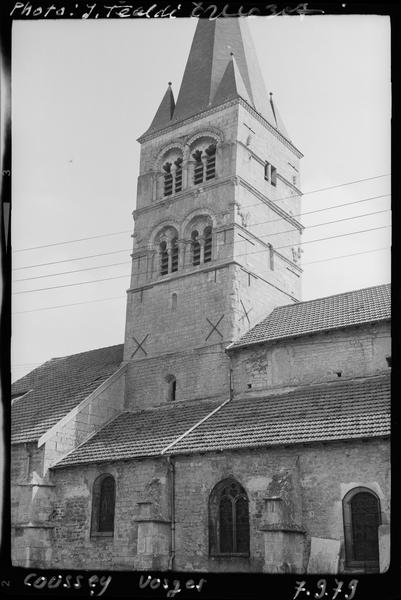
(84, 91)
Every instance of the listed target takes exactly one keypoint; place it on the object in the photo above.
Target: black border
(231, 586)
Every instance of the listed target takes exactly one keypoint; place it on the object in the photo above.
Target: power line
(332, 187)
(255, 225)
(71, 304)
(263, 236)
(245, 254)
(93, 237)
(123, 297)
(56, 262)
(74, 271)
(69, 285)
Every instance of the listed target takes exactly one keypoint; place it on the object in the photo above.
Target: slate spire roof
(222, 65)
(165, 111)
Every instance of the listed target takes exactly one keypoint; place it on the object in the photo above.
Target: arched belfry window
(195, 245)
(210, 162)
(163, 258)
(198, 166)
(168, 179)
(171, 168)
(103, 505)
(167, 250)
(207, 236)
(362, 517)
(178, 175)
(228, 519)
(174, 254)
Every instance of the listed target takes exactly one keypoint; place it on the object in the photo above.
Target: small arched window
(195, 248)
(172, 388)
(174, 255)
(228, 519)
(207, 235)
(163, 258)
(168, 179)
(210, 162)
(103, 506)
(362, 517)
(174, 300)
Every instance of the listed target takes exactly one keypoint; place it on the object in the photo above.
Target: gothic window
(198, 167)
(178, 175)
(174, 255)
(168, 179)
(361, 510)
(210, 162)
(195, 248)
(228, 519)
(163, 258)
(103, 505)
(207, 235)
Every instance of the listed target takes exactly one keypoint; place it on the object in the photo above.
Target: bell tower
(216, 238)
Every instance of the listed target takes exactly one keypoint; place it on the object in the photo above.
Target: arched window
(210, 162)
(198, 167)
(103, 506)
(228, 519)
(195, 248)
(361, 510)
(178, 175)
(174, 255)
(168, 179)
(172, 388)
(163, 258)
(207, 234)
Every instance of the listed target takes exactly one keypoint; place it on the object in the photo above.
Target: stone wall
(352, 352)
(310, 480)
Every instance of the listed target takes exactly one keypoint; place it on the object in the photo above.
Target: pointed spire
(210, 61)
(231, 85)
(165, 111)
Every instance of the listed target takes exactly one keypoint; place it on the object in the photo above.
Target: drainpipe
(171, 468)
(230, 369)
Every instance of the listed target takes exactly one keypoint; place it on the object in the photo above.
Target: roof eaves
(236, 345)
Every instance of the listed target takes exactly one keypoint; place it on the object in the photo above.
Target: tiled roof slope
(56, 387)
(333, 312)
(334, 411)
(345, 410)
(140, 434)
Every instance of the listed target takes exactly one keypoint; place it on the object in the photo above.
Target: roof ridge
(372, 287)
(85, 352)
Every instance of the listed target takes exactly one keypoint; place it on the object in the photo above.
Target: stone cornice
(261, 161)
(271, 204)
(189, 191)
(267, 246)
(180, 274)
(151, 135)
(290, 185)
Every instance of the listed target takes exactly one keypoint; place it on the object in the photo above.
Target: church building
(237, 429)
